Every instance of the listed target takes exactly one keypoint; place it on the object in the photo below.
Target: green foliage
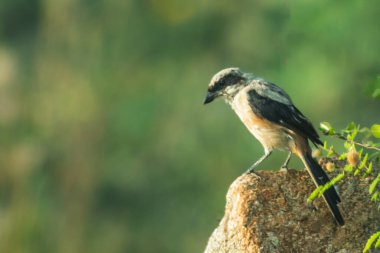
(315, 193)
(371, 240)
(363, 164)
(369, 169)
(375, 196)
(318, 192)
(373, 185)
(326, 128)
(365, 160)
(375, 130)
(331, 151)
(348, 167)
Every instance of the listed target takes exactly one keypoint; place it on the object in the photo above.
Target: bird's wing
(273, 104)
(270, 90)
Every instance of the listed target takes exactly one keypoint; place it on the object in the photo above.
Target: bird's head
(227, 82)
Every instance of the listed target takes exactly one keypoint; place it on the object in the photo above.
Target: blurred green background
(105, 144)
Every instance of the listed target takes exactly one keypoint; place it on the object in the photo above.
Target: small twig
(341, 136)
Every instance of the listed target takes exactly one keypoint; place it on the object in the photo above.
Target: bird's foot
(252, 172)
(284, 168)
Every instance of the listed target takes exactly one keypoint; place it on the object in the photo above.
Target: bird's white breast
(269, 134)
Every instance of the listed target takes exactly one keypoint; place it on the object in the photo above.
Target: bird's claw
(252, 172)
(284, 168)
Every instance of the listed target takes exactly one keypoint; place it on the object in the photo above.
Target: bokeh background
(105, 145)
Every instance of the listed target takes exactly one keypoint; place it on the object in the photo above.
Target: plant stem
(341, 136)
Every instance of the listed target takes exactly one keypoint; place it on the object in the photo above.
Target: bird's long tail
(320, 178)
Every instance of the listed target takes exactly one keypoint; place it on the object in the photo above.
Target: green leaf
(331, 151)
(370, 241)
(353, 134)
(364, 161)
(377, 243)
(330, 184)
(369, 169)
(342, 156)
(360, 153)
(373, 185)
(325, 144)
(314, 194)
(375, 130)
(348, 168)
(337, 178)
(351, 126)
(327, 128)
(375, 196)
(347, 145)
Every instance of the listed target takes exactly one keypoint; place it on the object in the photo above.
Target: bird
(270, 116)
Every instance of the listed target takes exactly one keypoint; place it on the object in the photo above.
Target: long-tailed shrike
(269, 114)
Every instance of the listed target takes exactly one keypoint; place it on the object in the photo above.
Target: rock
(272, 215)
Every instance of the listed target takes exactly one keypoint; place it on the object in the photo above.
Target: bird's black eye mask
(225, 81)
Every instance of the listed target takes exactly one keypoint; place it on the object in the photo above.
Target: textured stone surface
(272, 215)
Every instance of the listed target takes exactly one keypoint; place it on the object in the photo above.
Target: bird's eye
(225, 81)
(230, 80)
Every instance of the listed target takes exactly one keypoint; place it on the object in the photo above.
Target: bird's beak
(209, 97)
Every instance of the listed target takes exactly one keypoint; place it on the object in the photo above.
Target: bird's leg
(285, 165)
(252, 168)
